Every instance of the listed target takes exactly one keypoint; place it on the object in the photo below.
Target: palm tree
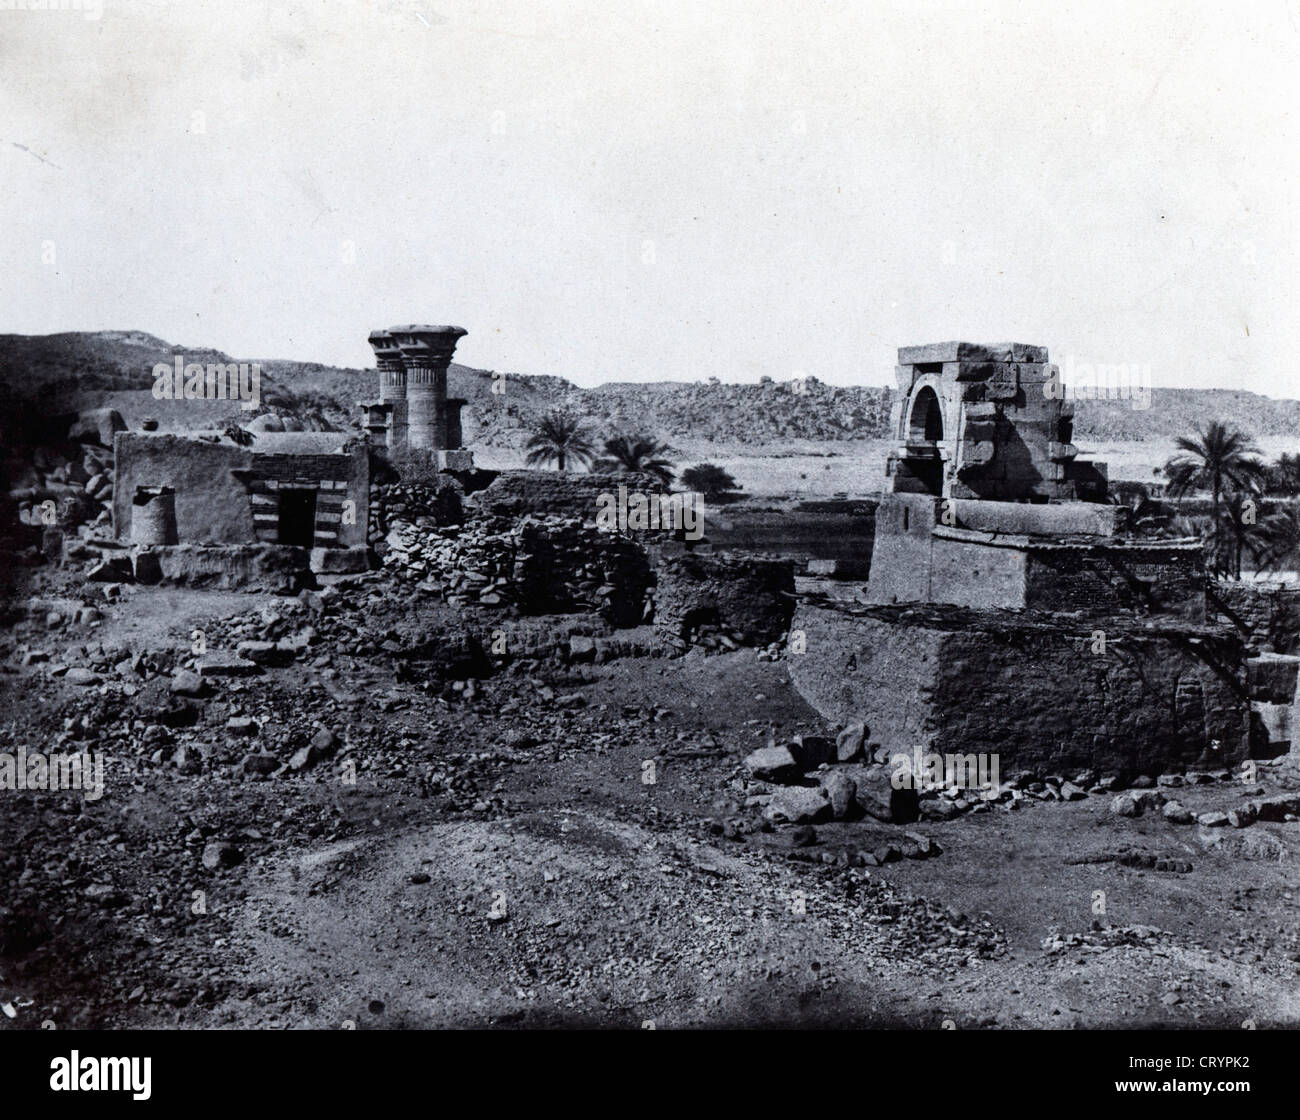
(1284, 476)
(637, 454)
(1217, 460)
(560, 436)
(1277, 546)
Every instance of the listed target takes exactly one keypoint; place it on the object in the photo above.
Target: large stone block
(971, 352)
(97, 425)
(338, 561)
(1034, 693)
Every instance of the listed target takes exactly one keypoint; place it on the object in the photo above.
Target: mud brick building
(286, 501)
(304, 492)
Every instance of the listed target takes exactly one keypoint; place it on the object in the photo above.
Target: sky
(639, 190)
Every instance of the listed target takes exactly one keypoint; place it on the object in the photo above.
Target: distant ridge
(81, 369)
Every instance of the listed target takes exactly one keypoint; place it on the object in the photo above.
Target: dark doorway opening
(927, 418)
(298, 517)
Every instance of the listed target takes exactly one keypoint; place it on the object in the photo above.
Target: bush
(710, 480)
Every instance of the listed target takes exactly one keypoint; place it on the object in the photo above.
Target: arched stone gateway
(926, 425)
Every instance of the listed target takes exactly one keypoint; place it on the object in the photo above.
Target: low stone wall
(1031, 690)
(425, 506)
(562, 493)
(271, 567)
(536, 565)
(750, 597)
(827, 538)
(1267, 616)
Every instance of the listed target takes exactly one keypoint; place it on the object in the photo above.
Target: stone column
(427, 353)
(392, 385)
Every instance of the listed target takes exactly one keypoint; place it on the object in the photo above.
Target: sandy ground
(503, 861)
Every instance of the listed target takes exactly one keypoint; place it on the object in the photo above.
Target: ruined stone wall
(750, 596)
(536, 565)
(839, 532)
(1267, 617)
(954, 679)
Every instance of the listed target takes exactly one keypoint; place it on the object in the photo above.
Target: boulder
(221, 853)
(185, 683)
(810, 751)
(219, 664)
(114, 569)
(1135, 802)
(798, 805)
(97, 425)
(840, 788)
(877, 798)
(581, 649)
(260, 762)
(263, 653)
(773, 764)
(850, 742)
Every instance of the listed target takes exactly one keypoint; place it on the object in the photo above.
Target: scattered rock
(221, 853)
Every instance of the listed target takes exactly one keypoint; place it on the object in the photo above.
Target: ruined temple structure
(980, 421)
(1010, 609)
(413, 412)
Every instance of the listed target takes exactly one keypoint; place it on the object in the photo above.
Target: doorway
(297, 518)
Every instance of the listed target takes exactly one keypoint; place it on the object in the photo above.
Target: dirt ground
(557, 845)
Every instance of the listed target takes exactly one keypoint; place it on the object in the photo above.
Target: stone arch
(925, 417)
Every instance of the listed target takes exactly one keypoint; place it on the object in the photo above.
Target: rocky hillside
(87, 369)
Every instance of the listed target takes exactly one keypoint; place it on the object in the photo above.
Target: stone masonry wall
(1267, 617)
(535, 565)
(953, 679)
(750, 596)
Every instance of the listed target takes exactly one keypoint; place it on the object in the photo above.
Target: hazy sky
(620, 190)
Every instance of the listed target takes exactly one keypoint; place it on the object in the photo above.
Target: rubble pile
(57, 489)
(425, 507)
